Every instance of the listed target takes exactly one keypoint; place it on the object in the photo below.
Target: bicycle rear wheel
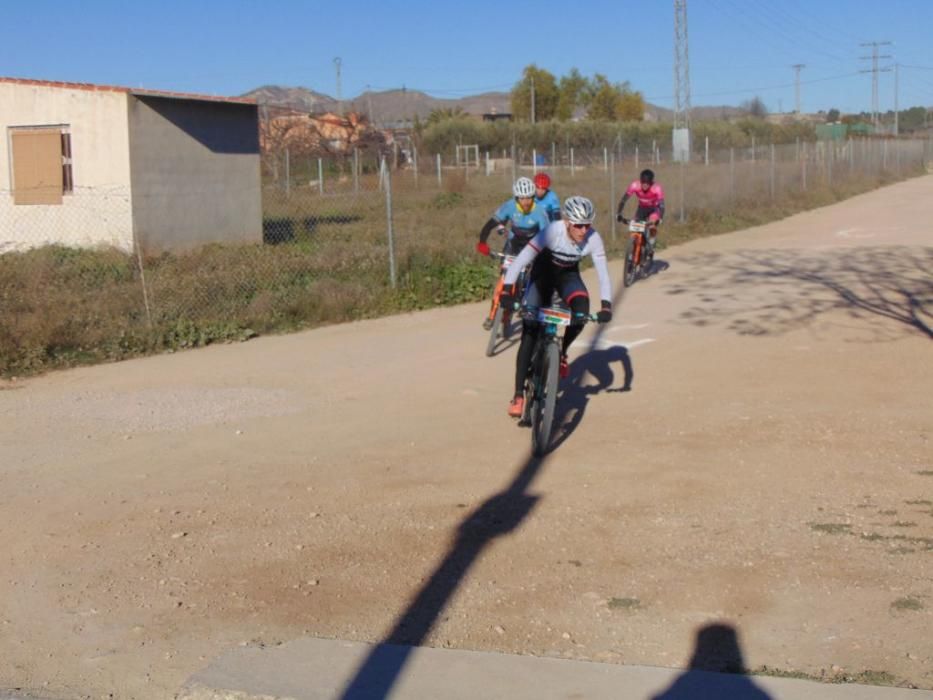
(545, 400)
(494, 332)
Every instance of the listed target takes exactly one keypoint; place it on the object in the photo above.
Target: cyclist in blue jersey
(547, 197)
(525, 220)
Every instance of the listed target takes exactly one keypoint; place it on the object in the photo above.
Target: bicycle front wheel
(545, 401)
(494, 332)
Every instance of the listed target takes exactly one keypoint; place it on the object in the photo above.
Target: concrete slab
(319, 669)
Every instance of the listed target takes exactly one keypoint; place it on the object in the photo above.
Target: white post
(572, 170)
(438, 169)
(636, 156)
(534, 161)
(320, 176)
(706, 158)
(605, 159)
(488, 171)
(389, 229)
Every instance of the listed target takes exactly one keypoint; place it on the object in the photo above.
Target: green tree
(442, 114)
(575, 91)
(614, 102)
(755, 107)
(832, 115)
(546, 95)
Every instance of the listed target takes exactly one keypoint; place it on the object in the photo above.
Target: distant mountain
(385, 107)
(394, 106)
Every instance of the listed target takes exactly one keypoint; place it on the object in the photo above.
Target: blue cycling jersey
(524, 226)
(551, 204)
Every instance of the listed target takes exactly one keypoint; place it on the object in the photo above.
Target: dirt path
(772, 467)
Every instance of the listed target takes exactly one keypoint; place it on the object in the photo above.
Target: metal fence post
(706, 155)
(534, 161)
(605, 159)
(753, 148)
(488, 171)
(288, 175)
(553, 154)
(572, 169)
(683, 191)
(320, 176)
(732, 172)
(389, 230)
(439, 183)
(772, 172)
(612, 194)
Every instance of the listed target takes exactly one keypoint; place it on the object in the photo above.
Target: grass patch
(325, 261)
(904, 523)
(832, 528)
(907, 603)
(624, 603)
(867, 677)
(925, 472)
(887, 512)
(919, 502)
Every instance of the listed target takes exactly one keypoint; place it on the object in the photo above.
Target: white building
(95, 165)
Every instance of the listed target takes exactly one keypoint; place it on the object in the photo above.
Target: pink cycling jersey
(650, 199)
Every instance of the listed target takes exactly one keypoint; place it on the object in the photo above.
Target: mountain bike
(501, 317)
(541, 384)
(639, 256)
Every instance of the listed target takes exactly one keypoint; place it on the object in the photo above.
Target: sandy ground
(771, 468)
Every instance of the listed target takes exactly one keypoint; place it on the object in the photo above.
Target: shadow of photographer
(717, 670)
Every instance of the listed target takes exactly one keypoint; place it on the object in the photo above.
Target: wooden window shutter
(37, 167)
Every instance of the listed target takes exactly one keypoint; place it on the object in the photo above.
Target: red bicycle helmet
(543, 180)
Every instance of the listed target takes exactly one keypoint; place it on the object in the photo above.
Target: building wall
(98, 212)
(194, 172)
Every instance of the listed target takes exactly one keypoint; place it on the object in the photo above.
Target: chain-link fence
(368, 231)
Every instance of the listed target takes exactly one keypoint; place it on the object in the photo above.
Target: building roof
(142, 92)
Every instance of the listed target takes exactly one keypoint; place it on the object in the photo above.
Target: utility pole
(369, 103)
(874, 70)
(797, 68)
(532, 99)
(681, 134)
(337, 63)
(897, 121)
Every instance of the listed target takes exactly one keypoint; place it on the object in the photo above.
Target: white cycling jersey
(565, 253)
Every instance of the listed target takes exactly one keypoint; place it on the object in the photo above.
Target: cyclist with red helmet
(546, 197)
(650, 197)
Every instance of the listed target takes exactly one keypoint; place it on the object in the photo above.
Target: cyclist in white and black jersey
(557, 252)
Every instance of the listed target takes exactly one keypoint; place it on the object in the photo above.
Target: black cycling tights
(579, 305)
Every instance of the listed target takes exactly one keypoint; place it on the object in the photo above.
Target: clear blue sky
(738, 48)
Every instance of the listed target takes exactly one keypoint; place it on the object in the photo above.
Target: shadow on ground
(716, 670)
(576, 393)
(498, 515)
(770, 292)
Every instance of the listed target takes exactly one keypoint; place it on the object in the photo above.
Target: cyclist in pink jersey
(650, 196)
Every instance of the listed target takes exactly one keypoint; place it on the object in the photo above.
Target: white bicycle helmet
(523, 187)
(579, 210)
